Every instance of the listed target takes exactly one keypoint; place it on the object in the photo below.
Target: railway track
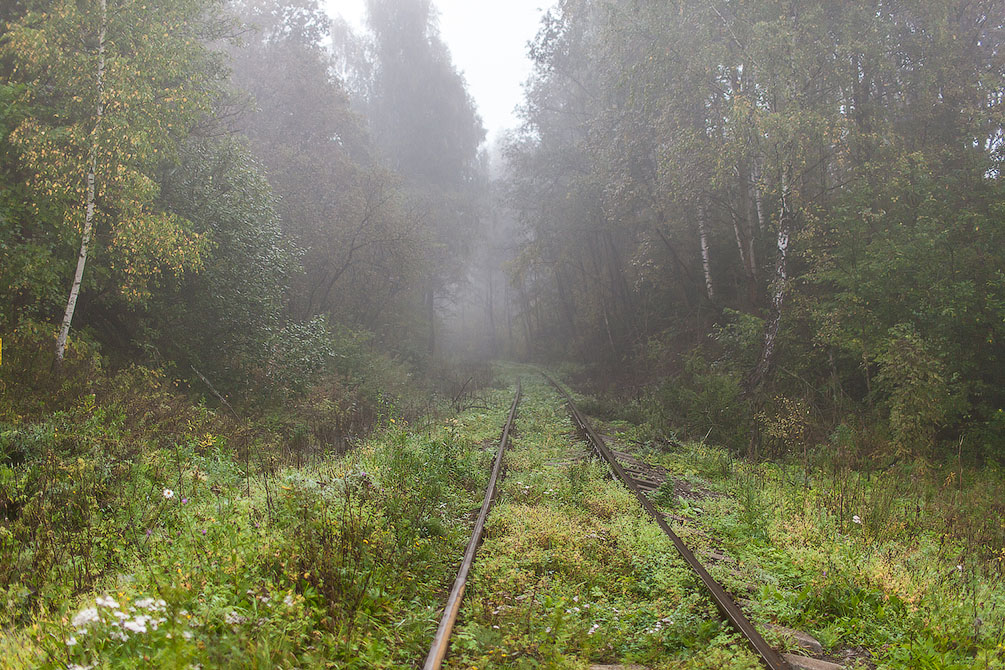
(640, 479)
(442, 639)
(772, 659)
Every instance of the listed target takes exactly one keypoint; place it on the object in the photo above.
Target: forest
(267, 284)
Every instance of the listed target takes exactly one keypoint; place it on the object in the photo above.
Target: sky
(488, 42)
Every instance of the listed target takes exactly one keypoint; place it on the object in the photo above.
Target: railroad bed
(540, 579)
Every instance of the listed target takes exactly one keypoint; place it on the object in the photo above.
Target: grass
(138, 529)
(906, 563)
(572, 572)
(149, 539)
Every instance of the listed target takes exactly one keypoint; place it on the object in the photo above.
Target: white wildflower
(137, 625)
(288, 600)
(85, 617)
(168, 494)
(145, 603)
(118, 635)
(593, 629)
(187, 634)
(106, 601)
(70, 641)
(857, 519)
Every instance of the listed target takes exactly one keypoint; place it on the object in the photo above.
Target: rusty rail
(772, 659)
(442, 640)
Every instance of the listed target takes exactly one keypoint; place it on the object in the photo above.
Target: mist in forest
(272, 279)
(779, 206)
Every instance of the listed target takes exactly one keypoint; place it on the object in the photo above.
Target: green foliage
(714, 140)
(27, 383)
(704, 401)
(917, 387)
(156, 83)
(218, 187)
(133, 532)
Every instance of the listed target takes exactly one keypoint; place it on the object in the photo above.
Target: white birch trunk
(705, 253)
(779, 288)
(758, 197)
(85, 240)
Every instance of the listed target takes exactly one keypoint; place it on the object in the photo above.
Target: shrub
(917, 390)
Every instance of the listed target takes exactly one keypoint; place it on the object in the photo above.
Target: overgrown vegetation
(137, 528)
(236, 243)
(905, 562)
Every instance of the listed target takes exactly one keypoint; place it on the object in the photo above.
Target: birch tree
(110, 86)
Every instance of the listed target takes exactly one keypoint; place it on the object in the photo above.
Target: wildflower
(288, 601)
(70, 641)
(959, 567)
(85, 617)
(106, 601)
(168, 494)
(145, 603)
(187, 634)
(184, 501)
(137, 625)
(857, 519)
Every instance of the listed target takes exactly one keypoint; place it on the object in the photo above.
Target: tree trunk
(743, 224)
(490, 308)
(705, 253)
(431, 315)
(779, 287)
(758, 196)
(85, 240)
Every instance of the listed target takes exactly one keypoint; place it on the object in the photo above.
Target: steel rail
(442, 639)
(772, 659)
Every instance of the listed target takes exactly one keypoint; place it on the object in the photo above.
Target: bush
(703, 401)
(917, 390)
(29, 382)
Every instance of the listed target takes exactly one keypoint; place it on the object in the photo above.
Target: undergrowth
(138, 529)
(906, 564)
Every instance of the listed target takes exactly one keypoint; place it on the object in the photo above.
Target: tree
(348, 214)
(842, 160)
(223, 320)
(426, 126)
(108, 86)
